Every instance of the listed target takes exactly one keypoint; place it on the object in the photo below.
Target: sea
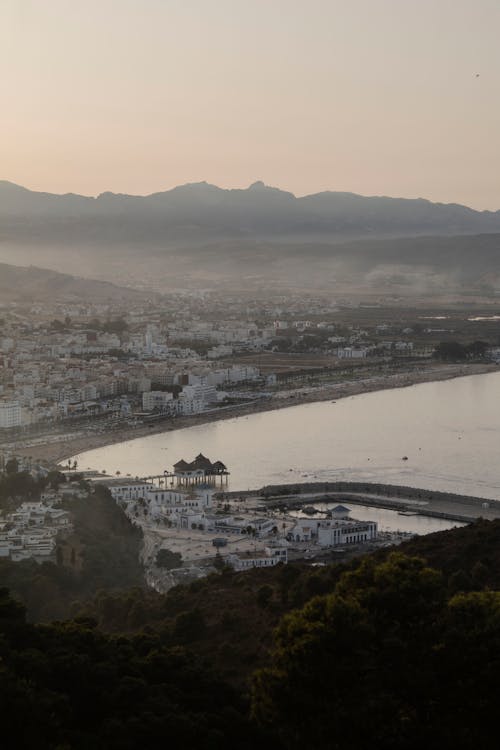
(440, 435)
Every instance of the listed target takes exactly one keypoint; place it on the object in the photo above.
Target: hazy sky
(369, 96)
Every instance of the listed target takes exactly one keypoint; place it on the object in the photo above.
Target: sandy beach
(61, 447)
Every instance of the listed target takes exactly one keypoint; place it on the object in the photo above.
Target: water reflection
(450, 432)
(391, 520)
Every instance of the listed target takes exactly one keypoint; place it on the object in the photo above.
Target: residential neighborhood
(186, 353)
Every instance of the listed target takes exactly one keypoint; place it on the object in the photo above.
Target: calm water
(391, 520)
(450, 432)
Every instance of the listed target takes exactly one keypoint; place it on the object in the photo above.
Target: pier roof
(200, 464)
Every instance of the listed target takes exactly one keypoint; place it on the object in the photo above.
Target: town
(76, 374)
(98, 367)
(188, 524)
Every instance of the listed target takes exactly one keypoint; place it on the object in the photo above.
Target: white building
(191, 400)
(266, 558)
(128, 489)
(159, 400)
(180, 506)
(338, 530)
(32, 530)
(349, 352)
(494, 354)
(332, 533)
(10, 414)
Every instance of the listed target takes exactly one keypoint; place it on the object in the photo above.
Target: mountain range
(202, 234)
(258, 211)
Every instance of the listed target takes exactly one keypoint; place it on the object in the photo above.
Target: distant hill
(200, 234)
(201, 211)
(19, 283)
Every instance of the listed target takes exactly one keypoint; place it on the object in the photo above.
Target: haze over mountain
(204, 235)
(42, 285)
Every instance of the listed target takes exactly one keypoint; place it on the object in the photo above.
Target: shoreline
(67, 447)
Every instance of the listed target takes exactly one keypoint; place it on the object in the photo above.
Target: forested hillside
(395, 650)
(102, 553)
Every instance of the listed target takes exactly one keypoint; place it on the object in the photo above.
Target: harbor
(186, 516)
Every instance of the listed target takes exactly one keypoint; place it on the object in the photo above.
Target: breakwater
(433, 503)
(386, 490)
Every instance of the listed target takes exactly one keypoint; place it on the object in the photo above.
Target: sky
(378, 97)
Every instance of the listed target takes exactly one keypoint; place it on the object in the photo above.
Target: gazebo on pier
(199, 471)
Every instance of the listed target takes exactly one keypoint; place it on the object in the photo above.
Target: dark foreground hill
(389, 652)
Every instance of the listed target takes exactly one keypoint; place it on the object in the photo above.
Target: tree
(167, 559)
(115, 326)
(477, 349)
(54, 479)
(264, 595)
(190, 625)
(219, 563)
(450, 351)
(357, 664)
(479, 574)
(83, 688)
(12, 466)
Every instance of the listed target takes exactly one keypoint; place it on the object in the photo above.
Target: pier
(199, 472)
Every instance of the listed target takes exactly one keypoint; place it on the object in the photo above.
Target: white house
(266, 558)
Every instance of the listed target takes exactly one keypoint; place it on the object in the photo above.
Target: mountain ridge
(258, 185)
(197, 211)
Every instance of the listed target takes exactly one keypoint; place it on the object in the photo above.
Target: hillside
(227, 618)
(199, 235)
(18, 283)
(391, 651)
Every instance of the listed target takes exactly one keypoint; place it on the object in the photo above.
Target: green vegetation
(388, 660)
(18, 486)
(102, 553)
(393, 650)
(67, 685)
(165, 558)
(454, 351)
(375, 663)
